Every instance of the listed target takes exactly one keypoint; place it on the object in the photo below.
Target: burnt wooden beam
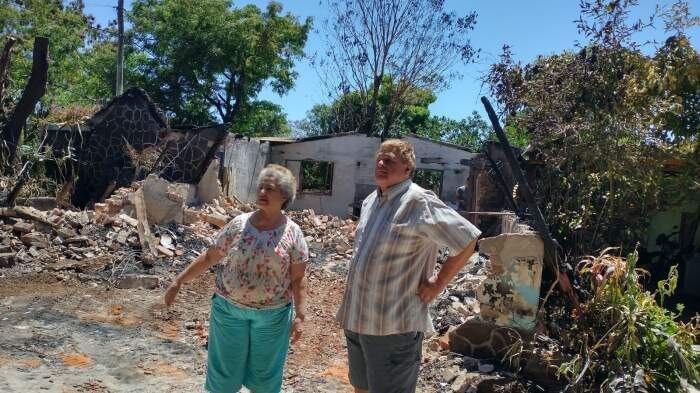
(552, 247)
(503, 185)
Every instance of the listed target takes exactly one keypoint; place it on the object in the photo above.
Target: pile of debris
(485, 322)
(330, 231)
(150, 228)
(32, 235)
(120, 241)
(330, 238)
(458, 303)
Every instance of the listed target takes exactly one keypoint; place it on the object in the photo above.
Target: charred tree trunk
(35, 89)
(5, 68)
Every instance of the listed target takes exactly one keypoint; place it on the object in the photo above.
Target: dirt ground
(58, 334)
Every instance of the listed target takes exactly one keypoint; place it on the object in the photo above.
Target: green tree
(318, 121)
(71, 34)
(603, 120)
(348, 113)
(206, 60)
(469, 132)
(262, 118)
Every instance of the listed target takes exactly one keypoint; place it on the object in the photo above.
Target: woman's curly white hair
(284, 180)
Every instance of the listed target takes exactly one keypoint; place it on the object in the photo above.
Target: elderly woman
(251, 320)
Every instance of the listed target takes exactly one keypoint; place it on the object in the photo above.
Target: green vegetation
(207, 61)
(622, 338)
(602, 122)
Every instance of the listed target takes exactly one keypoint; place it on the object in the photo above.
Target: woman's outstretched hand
(171, 292)
(295, 331)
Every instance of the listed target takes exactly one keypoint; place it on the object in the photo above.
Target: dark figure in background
(462, 198)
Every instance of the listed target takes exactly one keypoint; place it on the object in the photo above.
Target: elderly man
(391, 279)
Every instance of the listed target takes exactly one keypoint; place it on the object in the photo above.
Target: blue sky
(531, 28)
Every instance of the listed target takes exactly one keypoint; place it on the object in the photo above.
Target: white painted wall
(353, 163)
(344, 152)
(454, 172)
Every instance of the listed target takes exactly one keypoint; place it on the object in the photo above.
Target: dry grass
(71, 115)
(36, 186)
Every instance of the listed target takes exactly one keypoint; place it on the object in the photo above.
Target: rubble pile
(484, 320)
(147, 230)
(458, 303)
(144, 234)
(330, 231)
(453, 372)
(330, 238)
(110, 242)
(32, 235)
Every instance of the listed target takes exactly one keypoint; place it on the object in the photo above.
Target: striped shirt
(396, 246)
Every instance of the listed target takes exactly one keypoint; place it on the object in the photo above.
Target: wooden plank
(218, 220)
(129, 220)
(144, 230)
(26, 213)
(165, 251)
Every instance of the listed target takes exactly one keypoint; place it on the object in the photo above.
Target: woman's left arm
(299, 283)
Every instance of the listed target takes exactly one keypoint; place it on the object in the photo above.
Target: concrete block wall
(352, 156)
(510, 294)
(244, 158)
(353, 163)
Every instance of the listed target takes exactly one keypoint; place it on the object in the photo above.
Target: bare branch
(414, 42)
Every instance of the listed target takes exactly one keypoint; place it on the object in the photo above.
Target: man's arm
(428, 290)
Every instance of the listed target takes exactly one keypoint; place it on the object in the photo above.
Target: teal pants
(246, 347)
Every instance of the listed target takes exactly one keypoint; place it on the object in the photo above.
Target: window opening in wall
(316, 177)
(430, 179)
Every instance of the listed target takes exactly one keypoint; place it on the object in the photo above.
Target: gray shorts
(384, 364)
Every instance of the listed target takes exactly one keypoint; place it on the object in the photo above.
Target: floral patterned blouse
(256, 271)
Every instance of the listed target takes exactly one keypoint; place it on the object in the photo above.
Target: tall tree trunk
(370, 121)
(389, 115)
(5, 68)
(35, 89)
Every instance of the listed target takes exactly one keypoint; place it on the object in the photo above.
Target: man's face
(389, 169)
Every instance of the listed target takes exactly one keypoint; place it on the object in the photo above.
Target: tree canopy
(71, 34)
(603, 121)
(207, 60)
(346, 114)
(415, 42)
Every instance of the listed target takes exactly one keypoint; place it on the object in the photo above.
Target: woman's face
(269, 195)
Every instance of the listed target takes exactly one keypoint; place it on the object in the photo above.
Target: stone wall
(129, 120)
(188, 153)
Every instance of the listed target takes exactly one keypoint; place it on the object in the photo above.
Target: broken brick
(35, 239)
(23, 227)
(7, 260)
(218, 220)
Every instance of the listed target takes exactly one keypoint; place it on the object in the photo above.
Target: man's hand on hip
(428, 290)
